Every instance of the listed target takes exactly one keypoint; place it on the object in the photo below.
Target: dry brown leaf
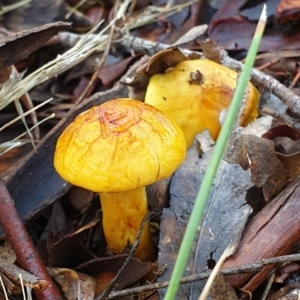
(23, 43)
(105, 269)
(288, 11)
(211, 50)
(222, 290)
(75, 285)
(266, 170)
(291, 163)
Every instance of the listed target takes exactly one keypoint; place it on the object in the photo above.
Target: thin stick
(260, 79)
(284, 118)
(21, 243)
(248, 268)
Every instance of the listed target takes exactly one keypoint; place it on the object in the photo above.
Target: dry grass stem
(17, 86)
(84, 48)
(7, 8)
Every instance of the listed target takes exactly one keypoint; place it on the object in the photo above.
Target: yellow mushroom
(194, 93)
(117, 149)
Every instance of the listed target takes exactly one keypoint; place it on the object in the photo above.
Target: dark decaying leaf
(110, 73)
(68, 250)
(233, 25)
(291, 163)
(224, 221)
(210, 50)
(79, 198)
(286, 140)
(64, 243)
(33, 14)
(105, 269)
(74, 285)
(288, 11)
(221, 290)
(158, 195)
(289, 292)
(266, 170)
(280, 219)
(253, 13)
(22, 44)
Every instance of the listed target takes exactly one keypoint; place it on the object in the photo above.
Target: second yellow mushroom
(195, 92)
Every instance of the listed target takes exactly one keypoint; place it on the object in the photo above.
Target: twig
(283, 118)
(248, 268)
(258, 78)
(21, 243)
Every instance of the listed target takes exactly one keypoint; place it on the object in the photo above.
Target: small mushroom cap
(120, 145)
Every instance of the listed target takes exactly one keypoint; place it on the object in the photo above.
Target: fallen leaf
(23, 43)
(105, 269)
(34, 14)
(191, 35)
(211, 50)
(253, 13)
(291, 163)
(233, 26)
(5, 74)
(221, 290)
(66, 249)
(7, 253)
(266, 170)
(286, 141)
(110, 73)
(288, 11)
(74, 285)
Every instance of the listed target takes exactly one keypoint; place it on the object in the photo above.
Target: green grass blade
(217, 154)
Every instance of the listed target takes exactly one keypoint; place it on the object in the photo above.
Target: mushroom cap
(195, 92)
(120, 145)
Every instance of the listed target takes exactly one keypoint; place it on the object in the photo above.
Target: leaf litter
(215, 250)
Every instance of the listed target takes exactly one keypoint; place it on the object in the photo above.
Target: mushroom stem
(123, 213)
